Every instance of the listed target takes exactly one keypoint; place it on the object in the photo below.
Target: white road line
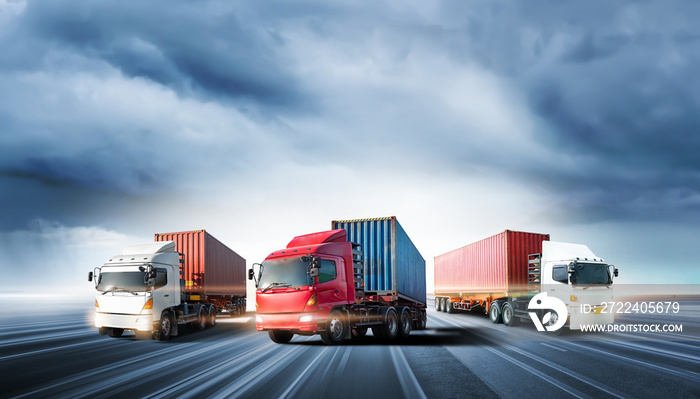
(304, 374)
(687, 374)
(553, 347)
(532, 370)
(409, 384)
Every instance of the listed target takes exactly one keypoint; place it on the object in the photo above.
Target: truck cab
(583, 281)
(299, 286)
(135, 287)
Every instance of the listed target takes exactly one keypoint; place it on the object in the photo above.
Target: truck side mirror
(251, 274)
(89, 276)
(616, 272)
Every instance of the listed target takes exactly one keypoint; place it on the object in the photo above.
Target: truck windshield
(286, 272)
(591, 274)
(122, 281)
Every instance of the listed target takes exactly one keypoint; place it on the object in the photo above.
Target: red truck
(364, 273)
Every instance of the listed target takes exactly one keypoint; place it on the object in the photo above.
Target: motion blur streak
(459, 355)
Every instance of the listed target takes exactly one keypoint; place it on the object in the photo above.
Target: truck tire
(201, 322)
(508, 315)
(165, 327)
(390, 328)
(405, 323)
(336, 328)
(359, 332)
(115, 332)
(495, 312)
(280, 336)
(211, 317)
(437, 304)
(448, 306)
(441, 304)
(421, 321)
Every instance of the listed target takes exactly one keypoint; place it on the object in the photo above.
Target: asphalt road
(459, 356)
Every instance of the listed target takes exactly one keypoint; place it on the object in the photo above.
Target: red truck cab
(299, 286)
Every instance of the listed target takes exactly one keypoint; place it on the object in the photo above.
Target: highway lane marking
(343, 363)
(553, 347)
(667, 353)
(136, 376)
(304, 373)
(45, 338)
(687, 374)
(560, 384)
(407, 379)
(100, 370)
(54, 348)
(262, 351)
(240, 386)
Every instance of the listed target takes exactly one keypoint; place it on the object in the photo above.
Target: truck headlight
(258, 319)
(306, 318)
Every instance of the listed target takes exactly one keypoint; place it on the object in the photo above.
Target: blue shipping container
(393, 265)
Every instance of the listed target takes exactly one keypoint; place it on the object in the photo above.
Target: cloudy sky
(259, 122)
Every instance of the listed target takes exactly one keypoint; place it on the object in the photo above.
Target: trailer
(180, 279)
(363, 274)
(501, 274)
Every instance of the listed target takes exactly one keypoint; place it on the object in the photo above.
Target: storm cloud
(117, 115)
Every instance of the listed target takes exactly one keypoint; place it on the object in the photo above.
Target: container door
(332, 286)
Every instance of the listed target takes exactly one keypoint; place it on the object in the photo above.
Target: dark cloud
(195, 48)
(616, 88)
(605, 96)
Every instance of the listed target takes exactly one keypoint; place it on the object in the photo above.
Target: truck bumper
(140, 322)
(577, 318)
(306, 322)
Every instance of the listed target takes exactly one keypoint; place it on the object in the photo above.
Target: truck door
(332, 288)
(163, 294)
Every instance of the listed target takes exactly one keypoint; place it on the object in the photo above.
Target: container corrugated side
(211, 268)
(494, 264)
(392, 262)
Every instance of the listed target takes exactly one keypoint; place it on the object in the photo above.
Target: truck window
(560, 274)
(161, 278)
(327, 272)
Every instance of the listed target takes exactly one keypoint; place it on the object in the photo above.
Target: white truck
(516, 276)
(146, 288)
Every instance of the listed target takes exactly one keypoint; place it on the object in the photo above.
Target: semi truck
(362, 274)
(153, 288)
(513, 276)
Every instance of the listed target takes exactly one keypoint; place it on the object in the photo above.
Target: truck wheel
(211, 318)
(508, 314)
(405, 321)
(116, 332)
(390, 328)
(495, 312)
(335, 329)
(422, 321)
(448, 306)
(164, 327)
(202, 314)
(359, 332)
(437, 304)
(280, 336)
(441, 304)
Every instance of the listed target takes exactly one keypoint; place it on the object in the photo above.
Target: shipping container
(497, 264)
(393, 265)
(210, 268)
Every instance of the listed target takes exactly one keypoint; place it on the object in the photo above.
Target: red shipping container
(497, 264)
(211, 268)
